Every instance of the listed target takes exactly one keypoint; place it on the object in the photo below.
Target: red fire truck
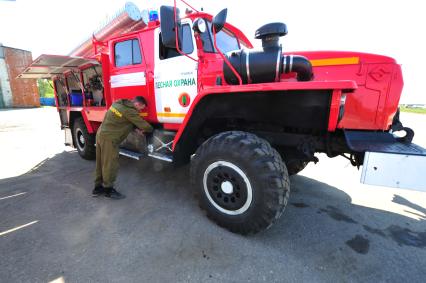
(244, 118)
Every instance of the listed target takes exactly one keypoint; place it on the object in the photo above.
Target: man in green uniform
(121, 118)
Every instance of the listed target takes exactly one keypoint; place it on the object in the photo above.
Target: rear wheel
(241, 181)
(83, 141)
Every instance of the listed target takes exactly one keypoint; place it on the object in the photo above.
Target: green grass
(413, 110)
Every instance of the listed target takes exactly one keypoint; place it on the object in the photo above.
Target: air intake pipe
(266, 65)
(297, 64)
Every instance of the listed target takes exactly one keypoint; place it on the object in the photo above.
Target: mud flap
(394, 170)
(389, 162)
(68, 137)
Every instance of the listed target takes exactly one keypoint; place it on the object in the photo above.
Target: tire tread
(261, 158)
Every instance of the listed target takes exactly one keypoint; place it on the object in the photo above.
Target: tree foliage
(45, 88)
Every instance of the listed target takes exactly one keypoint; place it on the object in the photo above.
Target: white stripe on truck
(132, 79)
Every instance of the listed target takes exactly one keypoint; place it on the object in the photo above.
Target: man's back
(120, 120)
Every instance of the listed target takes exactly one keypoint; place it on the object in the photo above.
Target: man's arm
(133, 116)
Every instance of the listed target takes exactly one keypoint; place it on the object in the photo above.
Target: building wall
(24, 91)
(5, 91)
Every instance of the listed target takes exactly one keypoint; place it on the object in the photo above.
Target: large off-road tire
(241, 181)
(295, 166)
(83, 141)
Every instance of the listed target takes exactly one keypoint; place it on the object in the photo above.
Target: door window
(187, 45)
(127, 53)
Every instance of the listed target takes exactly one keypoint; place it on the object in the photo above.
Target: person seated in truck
(97, 89)
(121, 118)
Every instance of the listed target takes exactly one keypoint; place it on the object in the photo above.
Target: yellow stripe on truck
(335, 61)
(171, 115)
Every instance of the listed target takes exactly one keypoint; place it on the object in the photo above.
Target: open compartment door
(47, 66)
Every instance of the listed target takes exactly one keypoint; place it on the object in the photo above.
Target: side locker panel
(64, 118)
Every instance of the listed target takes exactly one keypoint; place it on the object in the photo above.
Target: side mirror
(168, 25)
(219, 21)
(199, 25)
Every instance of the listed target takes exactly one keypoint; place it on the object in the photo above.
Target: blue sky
(393, 28)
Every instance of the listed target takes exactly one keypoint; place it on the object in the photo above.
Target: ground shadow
(322, 199)
(160, 225)
(403, 201)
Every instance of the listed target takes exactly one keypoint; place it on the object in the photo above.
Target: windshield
(226, 40)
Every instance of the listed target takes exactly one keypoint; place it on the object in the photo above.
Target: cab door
(175, 77)
(128, 68)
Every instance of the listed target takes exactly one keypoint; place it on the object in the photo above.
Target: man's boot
(112, 193)
(98, 190)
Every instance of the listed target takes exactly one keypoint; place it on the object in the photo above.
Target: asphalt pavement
(333, 230)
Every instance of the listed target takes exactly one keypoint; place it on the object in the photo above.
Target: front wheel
(241, 181)
(295, 166)
(83, 141)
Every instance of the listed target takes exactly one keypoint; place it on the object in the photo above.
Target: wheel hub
(81, 141)
(227, 187)
(81, 138)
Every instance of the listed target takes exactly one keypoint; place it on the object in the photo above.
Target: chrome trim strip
(129, 155)
(277, 68)
(291, 63)
(284, 64)
(248, 66)
(164, 158)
